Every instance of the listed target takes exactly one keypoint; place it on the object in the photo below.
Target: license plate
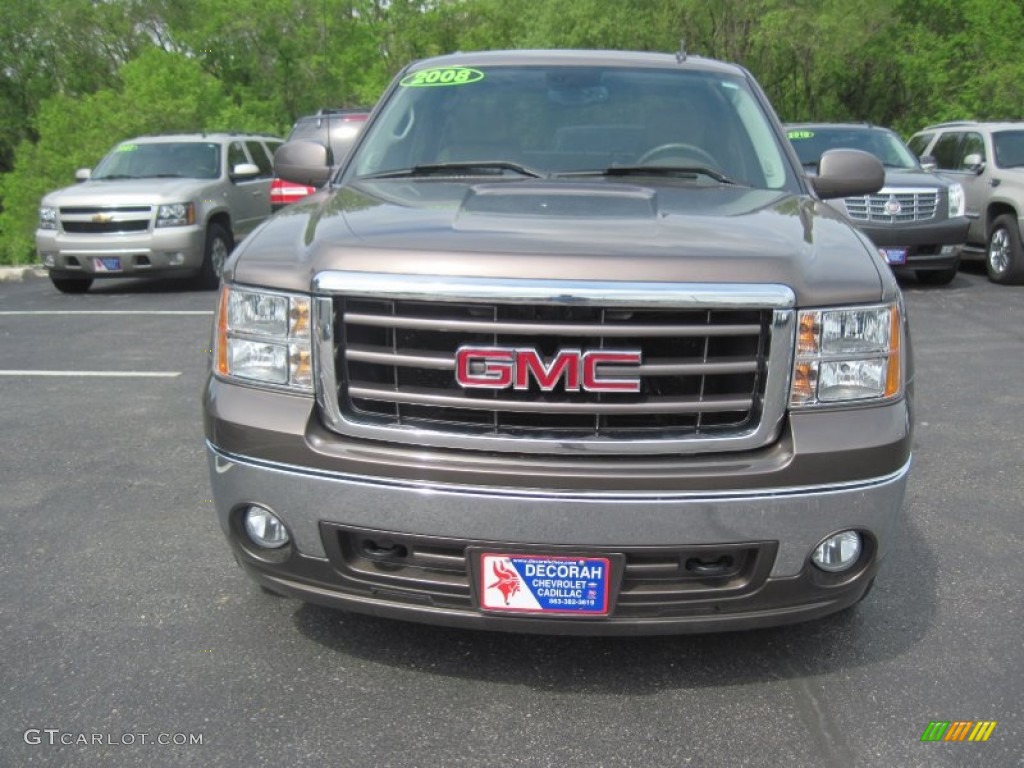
(107, 264)
(546, 584)
(895, 255)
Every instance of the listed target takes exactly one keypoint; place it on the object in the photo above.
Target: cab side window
(945, 153)
(973, 144)
(260, 157)
(236, 156)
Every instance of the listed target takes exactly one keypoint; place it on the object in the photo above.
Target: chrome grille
(386, 365)
(105, 220)
(894, 206)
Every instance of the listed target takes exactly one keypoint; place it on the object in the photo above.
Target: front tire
(71, 284)
(1004, 258)
(218, 248)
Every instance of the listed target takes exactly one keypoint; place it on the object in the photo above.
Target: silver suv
(157, 206)
(988, 159)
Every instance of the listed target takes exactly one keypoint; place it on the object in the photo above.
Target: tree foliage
(78, 75)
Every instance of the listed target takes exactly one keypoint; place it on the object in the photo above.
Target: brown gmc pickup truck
(569, 344)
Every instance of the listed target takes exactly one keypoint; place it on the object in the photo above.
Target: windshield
(544, 120)
(194, 160)
(1009, 148)
(810, 143)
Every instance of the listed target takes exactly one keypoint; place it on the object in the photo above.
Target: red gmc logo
(502, 367)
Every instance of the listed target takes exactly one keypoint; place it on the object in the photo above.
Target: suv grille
(702, 371)
(713, 375)
(893, 206)
(126, 218)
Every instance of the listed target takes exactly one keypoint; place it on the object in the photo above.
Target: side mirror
(245, 171)
(83, 174)
(302, 162)
(928, 163)
(847, 173)
(974, 163)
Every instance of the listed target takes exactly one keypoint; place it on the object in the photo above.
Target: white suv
(988, 160)
(157, 206)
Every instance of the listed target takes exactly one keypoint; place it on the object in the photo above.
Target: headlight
(847, 355)
(47, 217)
(957, 204)
(175, 215)
(263, 337)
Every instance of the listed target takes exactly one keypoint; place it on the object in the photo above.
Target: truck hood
(560, 229)
(913, 178)
(127, 192)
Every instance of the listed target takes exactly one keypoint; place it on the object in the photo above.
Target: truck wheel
(218, 248)
(936, 276)
(71, 284)
(1004, 259)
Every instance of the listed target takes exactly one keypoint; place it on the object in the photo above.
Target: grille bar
(444, 362)
(545, 329)
(653, 405)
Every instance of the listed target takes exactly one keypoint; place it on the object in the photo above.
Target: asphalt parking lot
(124, 618)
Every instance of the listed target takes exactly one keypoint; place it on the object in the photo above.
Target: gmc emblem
(504, 367)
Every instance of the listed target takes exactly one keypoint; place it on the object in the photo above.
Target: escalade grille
(894, 206)
(712, 374)
(702, 371)
(103, 220)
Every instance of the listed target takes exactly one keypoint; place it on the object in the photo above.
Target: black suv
(917, 219)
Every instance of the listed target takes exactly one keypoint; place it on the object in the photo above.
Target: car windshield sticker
(800, 135)
(442, 76)
(127, 147)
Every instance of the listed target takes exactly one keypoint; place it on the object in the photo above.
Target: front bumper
(771, 534)
(168, 249)
(930, 245)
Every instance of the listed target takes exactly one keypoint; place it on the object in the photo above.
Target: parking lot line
(112, 374)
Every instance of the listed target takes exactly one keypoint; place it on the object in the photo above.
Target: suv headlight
(848, 355)
(175, 215)
(47, 217)
(263, 337)
(957, 201)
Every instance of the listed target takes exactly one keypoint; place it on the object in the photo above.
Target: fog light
(838, 552)
(264, 528)
(176, 259)
(49, 260)
(948, 250)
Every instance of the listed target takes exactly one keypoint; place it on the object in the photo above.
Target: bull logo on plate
(508, 581)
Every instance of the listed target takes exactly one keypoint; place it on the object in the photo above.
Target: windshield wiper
(467, 167)
(112, 176)
(689, 171)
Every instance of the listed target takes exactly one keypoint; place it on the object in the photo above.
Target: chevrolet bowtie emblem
(102, 218)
